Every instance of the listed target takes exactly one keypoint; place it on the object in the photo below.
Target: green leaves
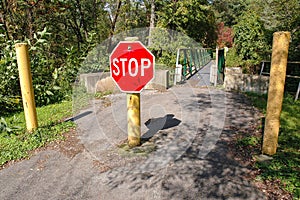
(7, 128)
(250, 39)
(191, 17)
(229, 11)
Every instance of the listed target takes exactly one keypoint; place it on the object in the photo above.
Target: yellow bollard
(26, 86)
(133, 119)
(276, 91)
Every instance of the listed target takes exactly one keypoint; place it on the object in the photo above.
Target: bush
(233, 59)
(10, 94)
(52, 77)
(250, 42)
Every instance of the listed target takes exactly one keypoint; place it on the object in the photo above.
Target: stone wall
(94, 81)
(160, 81)
(89, 80)
(237, 81)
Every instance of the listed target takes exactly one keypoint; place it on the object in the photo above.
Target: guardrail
(292, 74)
(189, 61)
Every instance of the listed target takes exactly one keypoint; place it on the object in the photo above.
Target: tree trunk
(152, 21)
(3, 19)
(30, 22)
(82, 19)
(113, 21)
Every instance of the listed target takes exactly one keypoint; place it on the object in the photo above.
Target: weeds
(16, 143)
(248, 141)
(99, 95)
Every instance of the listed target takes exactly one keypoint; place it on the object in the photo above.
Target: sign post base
(133, 119)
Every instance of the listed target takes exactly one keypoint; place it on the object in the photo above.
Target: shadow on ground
(191, 176)
(79, 116)
(156, 124)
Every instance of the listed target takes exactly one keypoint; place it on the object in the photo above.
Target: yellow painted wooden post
(134, 119)
(276, 91)
(26, 86)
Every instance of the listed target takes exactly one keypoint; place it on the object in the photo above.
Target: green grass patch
(285, 164)
(15, 143)
(258, 100)
(248, 141)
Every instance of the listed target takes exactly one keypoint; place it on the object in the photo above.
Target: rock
(106, 84)
(262, 158)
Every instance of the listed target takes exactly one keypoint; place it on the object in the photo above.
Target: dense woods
(62, 32)
(254, 22)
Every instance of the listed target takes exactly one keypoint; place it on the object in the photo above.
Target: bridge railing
(189, 61)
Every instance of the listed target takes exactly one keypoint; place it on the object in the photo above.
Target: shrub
(233, 59)
(51, 76)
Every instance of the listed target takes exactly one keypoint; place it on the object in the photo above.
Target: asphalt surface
(184, 155)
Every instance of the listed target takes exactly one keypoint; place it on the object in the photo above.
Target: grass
(17, 142)
(99, 95)
(248, 141)
(285, 165)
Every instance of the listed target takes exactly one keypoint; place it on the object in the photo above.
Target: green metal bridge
(189, 61)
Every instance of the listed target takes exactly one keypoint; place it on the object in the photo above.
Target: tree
(192, 17)
(279, 15)
(225, 36)
(275, 15)
(229, 11)
(250, 39)
(59, 33)
(152, 20)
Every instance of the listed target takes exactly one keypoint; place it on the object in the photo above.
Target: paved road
(203, 75)
(188, 128)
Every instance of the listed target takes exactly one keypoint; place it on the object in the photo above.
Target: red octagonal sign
(131, 66)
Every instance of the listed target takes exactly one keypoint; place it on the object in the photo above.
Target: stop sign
(131, 66)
